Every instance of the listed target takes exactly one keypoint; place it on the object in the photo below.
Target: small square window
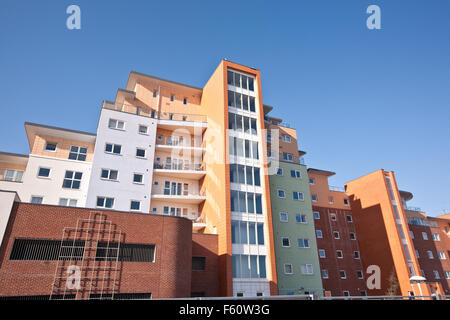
(343, 274)
(322, 253)
(346, 202)
(44, 172)
(138, 178)
(316, 215)
(37, 199)
(185, 101)
(285, 242)
(140, 153)
(339, 254)
(314, 197)
(135, 205)
(288, 269)
(49, 146)
(356, 254)
(281, 193)
(319, 234)
(283, 217)
(143, 129)
(104, 202)
(349, 218)
(336, 235)
(312, 181)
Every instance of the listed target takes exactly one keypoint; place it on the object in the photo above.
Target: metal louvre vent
(39, 249)
(128, 252)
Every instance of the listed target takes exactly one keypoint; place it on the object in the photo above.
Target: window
(316, 215)
(287, 157)
(37, 199)
(435, 237)
(322, 253)
(67, 202)
(319, 234)
(143, 129)
(411, 234)
(346, 293)
(339, 254)
(325, 274)
(346, 202)
(436, 274)
(297, 195)
(116, 124)
(248, 266)
(283, 217)
(155, 93)
(11, 175)
(281, 193)
(44, 172)
(138, 178)
(285, 242)
(447, 275)
(300, 218)
(104, 202)
(172, 97)
(314, 197)
(280, 171)
(113, 148)
(185, 101)
(140, 153)
(430, 254)
(312, 181)
(349, 218)
(296, 174)
(77, 153)
(72, 180)
(285, 138)
(306, 269)
(288, 268)
(108, 174)
(303, 243)
(135, 205)
(352, 236)
(50, 146)
(199, 263)
(441, 255)
(424, 236)
(330, 199)
(336, 235)
(359, 274)
(356, 254)
(333, 216)
(417, 253)
(343, 274)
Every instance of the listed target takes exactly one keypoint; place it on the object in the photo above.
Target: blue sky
(360, 99)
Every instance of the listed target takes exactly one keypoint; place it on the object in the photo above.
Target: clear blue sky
(361, 100)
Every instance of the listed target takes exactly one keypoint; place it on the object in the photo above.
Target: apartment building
(168, 148)
(57, 169)
(384, 235)
(341, 268)
(430, 236)
(296, 257)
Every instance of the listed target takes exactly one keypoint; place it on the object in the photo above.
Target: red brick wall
(334, 283)
(168, 276)
(421, 245)
(207, 281)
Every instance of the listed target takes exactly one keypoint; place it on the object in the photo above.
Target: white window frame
(116, 127)
(35, 196)
(282, 243)
(307, 267)
(430, 254)
(44, 177)
(302, 198)
(338, 235)
(342, 254)
(145, 153)
(287, 216)
(68, 201)
(358, 255)
(317, 234)
(138, 173)
(109, 174)
(139, 129)
(281, 174)
(112, 148)
(314, 215)
(327, 274)
(424, 236)
(284, 193)
(47, 143)
(324, 253)
(303, 218)
(345, 274)
(140, 205)
(291, 266)
(312, 198)
(104, 202)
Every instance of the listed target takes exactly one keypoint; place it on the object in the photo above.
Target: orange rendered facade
(383, 232)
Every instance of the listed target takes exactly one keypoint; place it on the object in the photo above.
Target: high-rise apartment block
(198, 191)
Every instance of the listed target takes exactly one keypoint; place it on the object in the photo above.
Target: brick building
(117, 254)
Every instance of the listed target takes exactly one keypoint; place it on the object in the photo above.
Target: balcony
(179, 169)
(179, 142)
(177, 192)
(422, 222)
(336, 189)
(166, 120)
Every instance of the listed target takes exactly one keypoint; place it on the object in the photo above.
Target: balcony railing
(195, 217)
(338, 189)
(422, 222)
(416, 209)
(147, 112)
(179, 142)
(179, 166)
